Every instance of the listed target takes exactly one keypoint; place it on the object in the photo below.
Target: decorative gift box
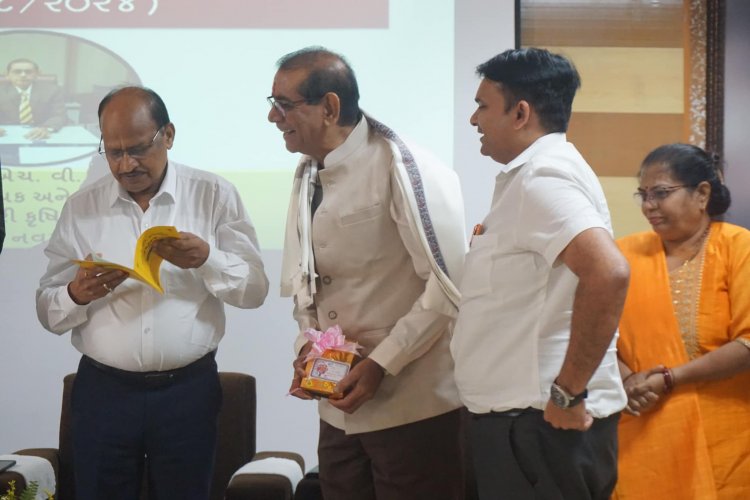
(329, 360)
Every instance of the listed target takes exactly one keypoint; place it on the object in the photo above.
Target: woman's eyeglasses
(657, 194)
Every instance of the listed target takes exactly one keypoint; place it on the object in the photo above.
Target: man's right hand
(574, 418)
(94, 283)
(299, 372)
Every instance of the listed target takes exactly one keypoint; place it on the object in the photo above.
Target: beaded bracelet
(668, 380)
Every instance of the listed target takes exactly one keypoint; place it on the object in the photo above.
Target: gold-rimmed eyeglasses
(135, 152)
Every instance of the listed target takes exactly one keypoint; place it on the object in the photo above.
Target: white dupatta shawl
(435, 210)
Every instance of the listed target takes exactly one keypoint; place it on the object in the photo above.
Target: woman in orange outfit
(684, 344)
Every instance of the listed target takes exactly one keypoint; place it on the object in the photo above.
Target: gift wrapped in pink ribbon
(328, 361)
(333, 338)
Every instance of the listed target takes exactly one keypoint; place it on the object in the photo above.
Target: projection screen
(213, 63)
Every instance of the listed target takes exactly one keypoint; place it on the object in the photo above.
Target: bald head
(154, 104)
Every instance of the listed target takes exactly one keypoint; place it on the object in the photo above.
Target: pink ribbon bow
(333, 338)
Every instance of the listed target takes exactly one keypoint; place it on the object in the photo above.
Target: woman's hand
(644, 390)
(656, 382)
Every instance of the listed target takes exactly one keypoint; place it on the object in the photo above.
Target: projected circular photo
(50, 88)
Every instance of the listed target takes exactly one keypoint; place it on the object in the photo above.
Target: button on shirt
(135, 328)
(513, 327)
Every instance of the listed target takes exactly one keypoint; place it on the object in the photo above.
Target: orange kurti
(696, 443)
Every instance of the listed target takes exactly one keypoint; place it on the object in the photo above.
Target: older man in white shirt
(147, 384)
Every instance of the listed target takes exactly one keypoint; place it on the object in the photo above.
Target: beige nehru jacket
(375, 282)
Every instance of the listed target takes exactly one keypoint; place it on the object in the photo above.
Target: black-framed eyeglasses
(657, 194)
(136, 152)
(283, 106)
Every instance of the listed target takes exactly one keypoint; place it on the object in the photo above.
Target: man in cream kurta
(374, 237)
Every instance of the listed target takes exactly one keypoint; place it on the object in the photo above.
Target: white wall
(33, 361)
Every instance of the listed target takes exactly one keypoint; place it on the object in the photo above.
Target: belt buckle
(158, 378)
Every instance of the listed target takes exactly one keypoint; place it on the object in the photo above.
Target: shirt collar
(24, 91)
(353, 142)
(168, 187)
(541, 143)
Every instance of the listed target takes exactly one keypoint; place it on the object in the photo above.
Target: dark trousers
(519, 456)
(418, 461)
(125, 424)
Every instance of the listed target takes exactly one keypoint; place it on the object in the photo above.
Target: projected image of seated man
(26, 100)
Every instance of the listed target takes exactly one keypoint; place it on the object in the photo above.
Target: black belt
(153, 378)
(512, 413)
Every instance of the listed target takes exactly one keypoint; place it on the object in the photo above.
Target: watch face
(558, 397)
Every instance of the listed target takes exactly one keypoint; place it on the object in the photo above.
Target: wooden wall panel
(631, 58)
(614, 144)
(626, 215)
(602, 24)
(628, 79)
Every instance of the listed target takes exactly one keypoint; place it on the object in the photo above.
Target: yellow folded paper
(146, 263)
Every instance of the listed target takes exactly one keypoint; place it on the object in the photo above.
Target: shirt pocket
(477, 275)
(362, 214)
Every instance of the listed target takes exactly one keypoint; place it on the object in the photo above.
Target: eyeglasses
(136, 152)
(656, 195)
(283, 106)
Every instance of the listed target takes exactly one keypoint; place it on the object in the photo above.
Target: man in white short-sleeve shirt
(542, 293)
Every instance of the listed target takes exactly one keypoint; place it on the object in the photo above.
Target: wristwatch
(563, 399)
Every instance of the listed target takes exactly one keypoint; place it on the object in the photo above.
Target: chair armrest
(52, 455)
(281, 454)
(264, 485)
(309, 487)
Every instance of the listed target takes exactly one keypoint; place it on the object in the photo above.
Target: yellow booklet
(147, 263)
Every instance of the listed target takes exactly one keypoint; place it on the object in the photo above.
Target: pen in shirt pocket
(478, 229)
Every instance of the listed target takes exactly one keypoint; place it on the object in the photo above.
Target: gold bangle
(743, 341)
